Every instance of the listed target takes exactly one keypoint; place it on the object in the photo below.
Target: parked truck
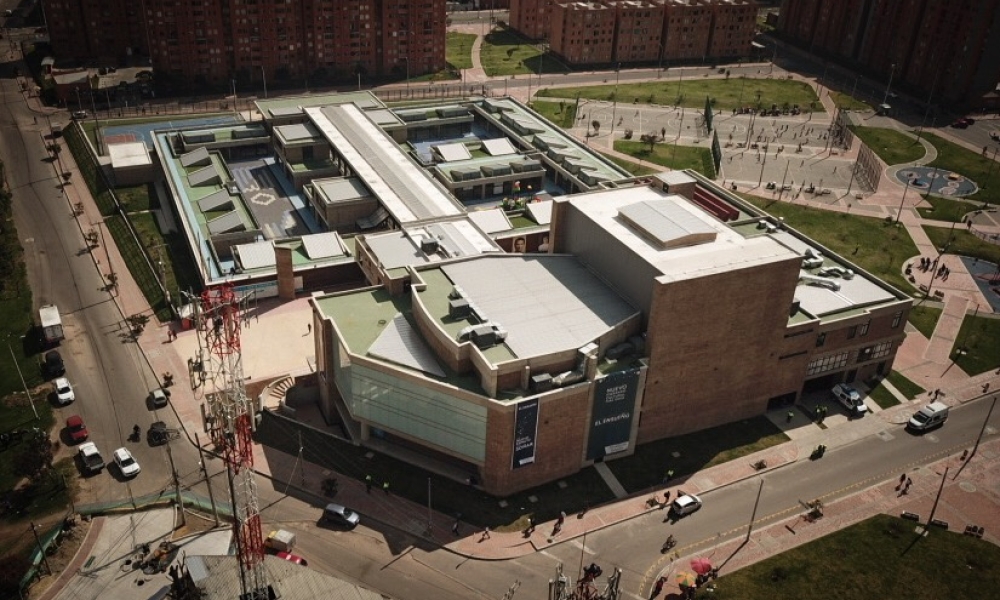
(280, 541)
(52, 328)
(91, 458)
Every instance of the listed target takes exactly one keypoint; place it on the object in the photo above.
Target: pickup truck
(91, 458)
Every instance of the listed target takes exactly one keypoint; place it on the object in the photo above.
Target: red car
(293, 558)
(963, 123)
(77, 430)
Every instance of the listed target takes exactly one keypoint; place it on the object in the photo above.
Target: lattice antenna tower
(220, 320)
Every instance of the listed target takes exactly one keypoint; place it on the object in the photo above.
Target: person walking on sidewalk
(486, 534)
(385, 487)
(368, 483)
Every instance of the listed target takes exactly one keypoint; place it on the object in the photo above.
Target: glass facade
(424, 413)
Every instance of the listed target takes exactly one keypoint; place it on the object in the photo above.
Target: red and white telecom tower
(220, 319)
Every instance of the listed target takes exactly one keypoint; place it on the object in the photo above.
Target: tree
(36, 457)
(12, 569)
(596, 125)
(648, 138)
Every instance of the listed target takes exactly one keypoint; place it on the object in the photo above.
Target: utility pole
(983, 430)
(45, 558)
(208, 482)
(177, 486)
(21, 375)
(938, 497)
(906, 189)
(753, 515)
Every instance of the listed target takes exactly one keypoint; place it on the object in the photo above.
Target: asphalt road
(110, 376)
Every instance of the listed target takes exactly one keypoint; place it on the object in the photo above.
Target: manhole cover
(885, 436)
(967, 486)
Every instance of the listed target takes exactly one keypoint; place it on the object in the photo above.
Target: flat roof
(405, 189)
(546, 304)
(129, 154)
(402, 248)
(283, 107)
(729, 250)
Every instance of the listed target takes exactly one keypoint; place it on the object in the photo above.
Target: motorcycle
(668, 545)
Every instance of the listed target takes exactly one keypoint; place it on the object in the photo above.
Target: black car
(53, 365)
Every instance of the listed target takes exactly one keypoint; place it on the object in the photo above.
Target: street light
(906, 189)
(263, 75)
(892, 72)
(21, 375)
(406, 59)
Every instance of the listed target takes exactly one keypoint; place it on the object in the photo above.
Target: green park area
(848, 102)
(882, 557)
(974, 165)
(892, 146)
(458, 50)
(504, 52)
(669, 155)
(562, 114)
(727, 93)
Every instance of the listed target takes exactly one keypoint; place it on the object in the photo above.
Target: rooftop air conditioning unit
(541, 382)
(456, 292)
(458, 308)
(428, 245)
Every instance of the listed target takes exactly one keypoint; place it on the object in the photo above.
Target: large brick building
(214, 42)
(639, 31)
(950, 47)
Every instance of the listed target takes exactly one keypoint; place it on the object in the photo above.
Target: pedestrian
(385, 487)
(789, 417)
(902, 480)
(531, 526)
(454, 527)
(309, 328)
(666, 497)
(668, 476)
(486, 534)
(368, 483)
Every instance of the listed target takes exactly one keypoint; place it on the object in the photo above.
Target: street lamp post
(892, 72)
(21, 375)
(406, 59)
(614, 105)
(263, 75)
(903, 199)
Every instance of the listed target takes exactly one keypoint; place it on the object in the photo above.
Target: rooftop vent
(428, 245)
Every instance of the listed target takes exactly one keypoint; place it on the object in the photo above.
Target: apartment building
(201, 42)
(642, 32)
(947, 51)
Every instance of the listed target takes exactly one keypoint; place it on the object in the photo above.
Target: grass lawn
(668, 155)
(883, 397)
(562, 114)
(504, 52)
(632, 167)
(943, 209)
(695, 451)
(893, 147)
(726, 92)
(458, 49)
(848, 102)
(882, 557)
(138, 198)
(959, 241)
(952, 157)
(980, 338)
(925, 319)
(881, 247)
(904, 385)
(178, 268)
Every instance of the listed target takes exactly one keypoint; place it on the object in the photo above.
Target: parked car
(295, 558)
(158, 397)
(64, 391)
(53, 364)
(77, 430)
(851, 399)
(79, 114)
(928, 417)
(963, 123)
(685, 505)
(126, 463)
(341, 515)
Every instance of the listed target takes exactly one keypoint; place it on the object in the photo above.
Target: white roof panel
(298, 131)
(401, 344)
(453, 152)
(129, 154)
(323, 245)
(491, 221)
(546, 304)
(499, 147)
(540, 212)
(257, 255)
(667, 223)
(406, 191)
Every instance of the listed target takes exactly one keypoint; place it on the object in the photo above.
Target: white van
(928, 417)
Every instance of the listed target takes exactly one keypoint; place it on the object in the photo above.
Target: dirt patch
(60, 555)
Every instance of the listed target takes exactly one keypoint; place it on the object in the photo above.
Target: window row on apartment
(839, 360)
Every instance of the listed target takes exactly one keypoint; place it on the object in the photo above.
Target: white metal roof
(401, 344)
(323, 245)
(455, 239)
(540, 212)
(453, 152)
(491, 221)
(546, 304)
(499, 147)
(256, 255)
(297, 132)
(129, 154)
(401, 186)
(667, 223)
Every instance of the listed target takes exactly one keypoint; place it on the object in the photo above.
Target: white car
(126, 464)
(851, 399)
(64, 391)
(685, 505)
